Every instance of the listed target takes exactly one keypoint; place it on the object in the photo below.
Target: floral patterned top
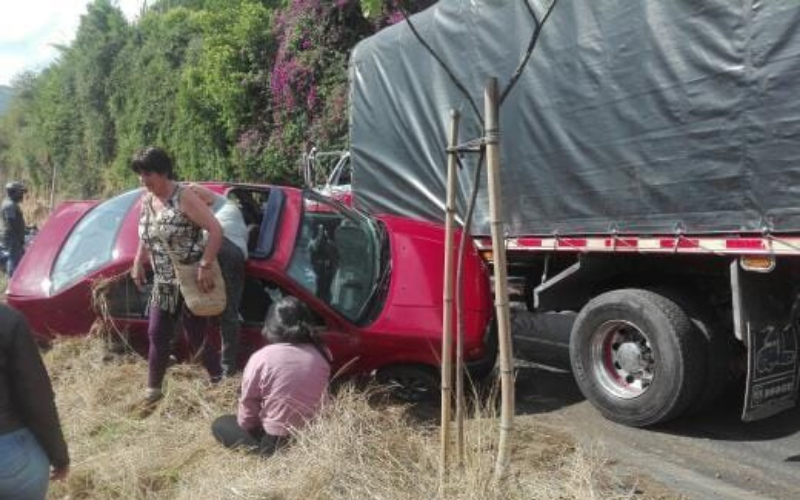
(168, 232)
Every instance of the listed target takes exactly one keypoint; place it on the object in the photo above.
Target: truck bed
(631, 118)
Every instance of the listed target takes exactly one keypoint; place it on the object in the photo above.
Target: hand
(204, 280)
(137, 274)
(59, 473)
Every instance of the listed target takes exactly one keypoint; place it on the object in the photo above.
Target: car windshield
(337, 255)
(91, 244)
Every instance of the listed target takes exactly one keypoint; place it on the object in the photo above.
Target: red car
(374, 284)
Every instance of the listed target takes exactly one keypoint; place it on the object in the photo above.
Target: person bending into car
(283, 386)
(171, 223)
(32, 446)
(232, 256)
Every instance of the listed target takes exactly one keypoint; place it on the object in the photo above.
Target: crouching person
(283, 386)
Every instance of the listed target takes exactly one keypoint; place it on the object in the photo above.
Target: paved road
(713, 456)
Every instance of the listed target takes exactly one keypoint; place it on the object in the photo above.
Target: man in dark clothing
(32, 445)
(12, 225)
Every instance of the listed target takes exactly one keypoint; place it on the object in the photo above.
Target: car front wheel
(410, 383)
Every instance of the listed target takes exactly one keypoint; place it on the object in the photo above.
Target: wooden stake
(447, 321)
(459, 369)
(52, 184)
(500, 278)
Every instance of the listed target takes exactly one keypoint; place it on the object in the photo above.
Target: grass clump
(361, 448)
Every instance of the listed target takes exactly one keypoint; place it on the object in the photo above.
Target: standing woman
(171, 225)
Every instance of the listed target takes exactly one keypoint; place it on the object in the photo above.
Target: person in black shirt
(32, 445)
(12, 225)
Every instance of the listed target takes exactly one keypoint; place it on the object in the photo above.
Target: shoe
(153, 395)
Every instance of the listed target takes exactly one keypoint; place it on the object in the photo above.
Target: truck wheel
(717, 347)
(410, 383)
(636, 357)
(523, 324)
(717, 350)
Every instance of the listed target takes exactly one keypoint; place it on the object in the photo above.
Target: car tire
(637, 357)
(411, 383)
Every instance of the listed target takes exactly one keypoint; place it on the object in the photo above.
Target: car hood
(32, 277)
(418, 267)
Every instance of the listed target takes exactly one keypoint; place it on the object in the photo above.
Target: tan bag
(201, 304)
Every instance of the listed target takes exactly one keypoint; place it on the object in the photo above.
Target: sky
(30, 28)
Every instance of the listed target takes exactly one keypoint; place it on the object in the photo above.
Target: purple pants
(161, 330)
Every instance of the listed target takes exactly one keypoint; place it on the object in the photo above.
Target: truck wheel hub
(622, 359)
(629, 357)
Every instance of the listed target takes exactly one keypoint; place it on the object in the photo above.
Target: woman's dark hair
(289, 321)
(152, 160)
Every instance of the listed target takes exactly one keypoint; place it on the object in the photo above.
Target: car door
(262, 289)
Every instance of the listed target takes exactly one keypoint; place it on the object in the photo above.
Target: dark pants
(226, 430)
(14, 256)
(161, 329)
(231, 262)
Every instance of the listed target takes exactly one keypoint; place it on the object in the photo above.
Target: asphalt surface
(711, 456)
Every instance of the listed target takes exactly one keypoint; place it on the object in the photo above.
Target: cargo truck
(650, 159)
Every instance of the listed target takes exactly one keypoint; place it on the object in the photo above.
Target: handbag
(211, 303)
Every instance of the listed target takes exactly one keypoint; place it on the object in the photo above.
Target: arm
(34, 395)
(199, 213)
(137, 270)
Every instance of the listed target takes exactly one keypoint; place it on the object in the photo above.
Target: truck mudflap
(766, 308)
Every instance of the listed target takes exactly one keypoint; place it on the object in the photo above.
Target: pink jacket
(283, 386)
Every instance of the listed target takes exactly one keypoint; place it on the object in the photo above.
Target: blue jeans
(24, 467)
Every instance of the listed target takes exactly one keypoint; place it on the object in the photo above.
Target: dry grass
(358, 450)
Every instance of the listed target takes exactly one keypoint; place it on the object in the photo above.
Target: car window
(337, 255)
(342, 173)
(258, 296)
(90, 245)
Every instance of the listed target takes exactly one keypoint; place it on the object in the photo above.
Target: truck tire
(717, 347)
(718, 353)
(523, 323)
(636, 357)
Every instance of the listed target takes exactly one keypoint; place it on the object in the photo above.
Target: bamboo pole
(52, 186)
(459, 368)
(500, 278)
(447, 321)
(459, 373)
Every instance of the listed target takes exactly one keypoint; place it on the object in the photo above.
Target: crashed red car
(379, 301)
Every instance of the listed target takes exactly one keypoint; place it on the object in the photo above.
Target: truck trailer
(650, 163)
